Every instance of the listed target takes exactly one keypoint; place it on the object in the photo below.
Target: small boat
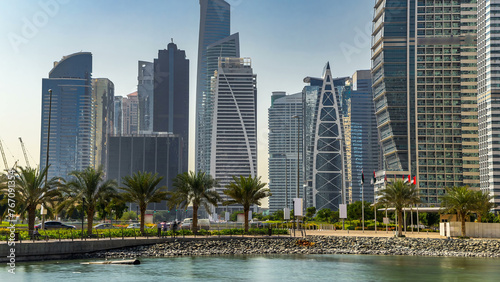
(127, 261)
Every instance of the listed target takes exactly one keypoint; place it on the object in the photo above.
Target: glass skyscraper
(103, 93)
(71, 123)
(425, 92)
(145, 89)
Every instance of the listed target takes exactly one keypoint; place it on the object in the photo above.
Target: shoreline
(432, 247)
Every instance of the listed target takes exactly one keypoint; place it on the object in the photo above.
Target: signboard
(226, 216)
(297, 207)
(249, 215)
(286, 213)
(386, 220)
(342, 211)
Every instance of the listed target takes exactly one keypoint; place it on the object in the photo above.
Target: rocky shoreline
(310, 245)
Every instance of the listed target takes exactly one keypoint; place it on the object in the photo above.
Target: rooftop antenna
(172, 40)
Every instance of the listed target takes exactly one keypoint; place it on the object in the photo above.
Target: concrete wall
(472, 229)
(41, 250)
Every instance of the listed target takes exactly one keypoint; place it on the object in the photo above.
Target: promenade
(369, 233)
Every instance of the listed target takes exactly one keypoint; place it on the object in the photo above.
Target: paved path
(370, 233)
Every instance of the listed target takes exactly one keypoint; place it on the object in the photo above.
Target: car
(54, 225)
(202, 224)
(104, 226)
(134, 225)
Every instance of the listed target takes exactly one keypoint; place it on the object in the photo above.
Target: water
(309, 268)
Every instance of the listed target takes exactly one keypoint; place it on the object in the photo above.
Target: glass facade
(103, 91)
(145, 84)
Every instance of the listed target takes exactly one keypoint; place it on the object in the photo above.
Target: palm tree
(142, 188)
(483, 204)
(32, 191)
(460, 201)
(196, 189)
(246, 191)
(86, 188)
(399, 194)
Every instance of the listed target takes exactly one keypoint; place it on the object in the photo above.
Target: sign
(342, 211)
(297, 207)
(43, 211)
(249, 215)
(286, 213)
(386, 220)
(226, 216)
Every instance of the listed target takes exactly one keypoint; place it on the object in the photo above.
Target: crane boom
(24, 152)
(3, 156)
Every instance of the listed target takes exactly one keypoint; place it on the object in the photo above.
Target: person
(36, 234)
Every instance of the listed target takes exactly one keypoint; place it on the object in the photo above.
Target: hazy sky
(287, 40)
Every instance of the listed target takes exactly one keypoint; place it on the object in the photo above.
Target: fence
(472, 229)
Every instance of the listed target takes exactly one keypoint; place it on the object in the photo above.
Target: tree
(197, 189)
(460, 201)
(310, 211)
(278, 215)
(355, 211)
(142, 188)
(399, 194)
(246, 191)
(324, 215)
(85, 188)
(32, 191)
(482, 204)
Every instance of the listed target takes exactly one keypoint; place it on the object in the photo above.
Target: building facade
(103, 103)
(285, 150)
(171, 95)
(234, 142)
(130, 114)
(424, 64)
(117, 115)
(215, 20)
(488, 70)
(70, 108)
(145, 94)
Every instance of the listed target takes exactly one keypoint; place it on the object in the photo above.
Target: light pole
(83, 213)
(48, 146)
(298, 161)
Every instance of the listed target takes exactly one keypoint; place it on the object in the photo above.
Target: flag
(362, 178)
(415, 180)
(409, 178)
(374, 178)
(385, 178)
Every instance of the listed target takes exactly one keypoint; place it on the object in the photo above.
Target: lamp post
(298, 161)
(48, 146)
(83, 213)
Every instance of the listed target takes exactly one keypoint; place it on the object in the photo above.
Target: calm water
(309, 268)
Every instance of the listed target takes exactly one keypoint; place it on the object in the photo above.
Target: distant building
(145, 93)
(103, 103)
(234, 147)
(118, 116)
(284, 142)
(130, 114)
(156, 153)
(215, 20)
(171, 95)
(71, 126)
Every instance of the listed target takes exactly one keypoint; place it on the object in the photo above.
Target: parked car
(134, 225)
(104, 226)
(202, 224)
(54, 225)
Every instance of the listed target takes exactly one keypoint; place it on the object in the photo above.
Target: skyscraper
(489, 97)
(118, 116)
(425, 92)
(171, 95)
(234, 147)
(285, 141)
(214, 26)
(145, 94)
(71, 116)
(103, 103)
(130, 114)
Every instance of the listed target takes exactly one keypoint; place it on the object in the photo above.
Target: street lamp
(83, 213)
(47, 156)
(298, 162)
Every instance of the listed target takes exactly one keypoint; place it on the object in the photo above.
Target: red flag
(415, 180)
(409, 178)
(385, 178)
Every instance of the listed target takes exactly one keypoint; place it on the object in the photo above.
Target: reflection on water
(268, 268)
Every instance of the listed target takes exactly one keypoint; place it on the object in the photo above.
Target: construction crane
(24, 152)
(3, 156)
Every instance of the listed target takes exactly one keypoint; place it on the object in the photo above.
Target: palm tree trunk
(462, 218)
(246, 210)
(400, 222)
(31, 219)
(143, 215)
(90, 219)
(194, 227)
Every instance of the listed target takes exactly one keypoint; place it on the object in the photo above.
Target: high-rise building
(145, 94)
(70, 108)
(285, 149)
(171, 95)
(103, 103)
(234, 147)
(215, 18)
(226, 47)
(118, 116)
(362, 148)
(130, 114)
(425, 92)
(156, 153)
(488, 73)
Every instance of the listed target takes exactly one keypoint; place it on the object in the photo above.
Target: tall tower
(214, 28)
(284, 136)
(145, 93)
(489, 97)
(234, 147)
(130, 114)
(424, 89)
(71, 116)
(171, 95)
(103, 92)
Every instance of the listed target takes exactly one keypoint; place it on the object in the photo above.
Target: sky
(287, 40)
